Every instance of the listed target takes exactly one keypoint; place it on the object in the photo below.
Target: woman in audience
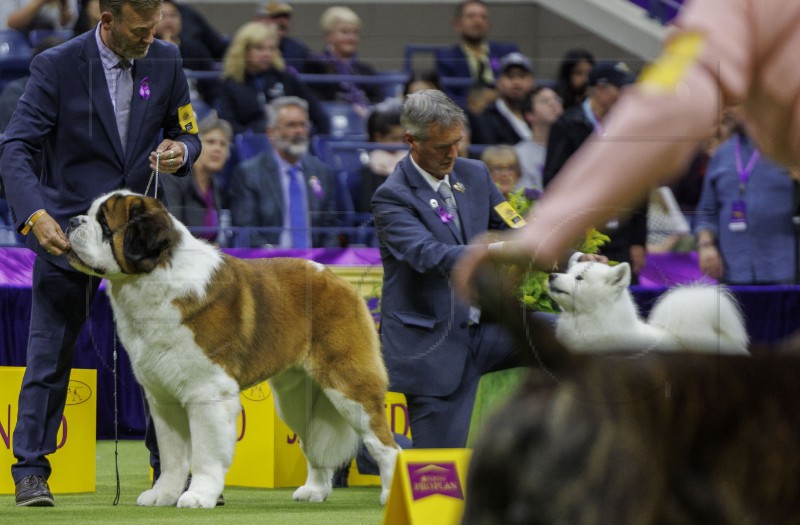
(88, 16)
(419, 80)
(342, 29)
(195, 200)
(253, 74)
(383, 126)
(573, 76)
(195, 55)
(503, 165)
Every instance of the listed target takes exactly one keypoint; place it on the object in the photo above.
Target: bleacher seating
(37, 35)
(346, 122)
(13, 43)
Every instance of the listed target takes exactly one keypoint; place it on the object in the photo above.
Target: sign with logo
(74, 461)
(428, 487)
(268, 453)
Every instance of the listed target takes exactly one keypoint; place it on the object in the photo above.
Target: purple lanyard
(744, 173)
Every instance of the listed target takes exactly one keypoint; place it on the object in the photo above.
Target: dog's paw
(154, 498)
(195, 500)
(310, 493)
(384, 496)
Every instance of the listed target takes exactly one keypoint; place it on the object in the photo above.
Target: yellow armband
(31, 221)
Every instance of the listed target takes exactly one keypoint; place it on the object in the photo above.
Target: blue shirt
(763, 253)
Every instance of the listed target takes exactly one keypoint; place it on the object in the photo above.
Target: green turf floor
(350, 506)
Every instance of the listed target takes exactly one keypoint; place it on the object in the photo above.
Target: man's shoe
(32, 491)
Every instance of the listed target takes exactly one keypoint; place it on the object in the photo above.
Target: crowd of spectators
(234, 78)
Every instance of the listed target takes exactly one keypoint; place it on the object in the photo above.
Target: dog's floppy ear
(620, 276)
(149, 237)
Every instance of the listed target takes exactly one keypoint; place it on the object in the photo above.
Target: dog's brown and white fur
(200, 326)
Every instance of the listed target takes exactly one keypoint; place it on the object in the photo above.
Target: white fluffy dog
(599, 314)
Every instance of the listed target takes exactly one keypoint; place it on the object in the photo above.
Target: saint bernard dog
(200, 326)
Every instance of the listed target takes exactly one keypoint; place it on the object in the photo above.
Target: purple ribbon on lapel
(444, 215)
(144, 88)
(316, 187)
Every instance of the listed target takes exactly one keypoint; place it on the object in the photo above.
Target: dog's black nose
(551, 277)
(75, 222)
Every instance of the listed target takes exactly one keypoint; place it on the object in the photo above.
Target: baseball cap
(277, 9)
(609, 72)
(515, 59)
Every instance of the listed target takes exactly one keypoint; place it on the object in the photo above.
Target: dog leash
(154, 175)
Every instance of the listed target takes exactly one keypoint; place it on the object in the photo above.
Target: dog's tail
(496, 294)
(703, 318)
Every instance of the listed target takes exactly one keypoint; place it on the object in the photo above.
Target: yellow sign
(268, 453)
(428, 487)
(74, 461)
(510, 215)
(397, 415)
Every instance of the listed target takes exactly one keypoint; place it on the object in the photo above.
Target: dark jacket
(566, 136)
(492, 127)
(242, 103)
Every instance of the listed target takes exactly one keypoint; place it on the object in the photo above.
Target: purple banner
(428, 479)
(16, 263)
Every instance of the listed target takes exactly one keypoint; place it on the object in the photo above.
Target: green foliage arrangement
(532, 292)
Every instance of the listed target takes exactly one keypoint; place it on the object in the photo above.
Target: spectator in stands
(285, 188)
(383, 126)
(27, 15)
(629, 233)
(294, 52)
(88, 16)
(744, 217)
(9, 97)
(196, 27)
(197, 200)
(419, 80)
(342, 29)
(502, 122)
(503, 165)
(474, 57)
(572, 82)
(540, 108)
(253, 75)
(196, 56)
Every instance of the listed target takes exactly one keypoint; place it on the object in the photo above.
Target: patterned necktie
(297, 210)
(450, 203)
(123, 100)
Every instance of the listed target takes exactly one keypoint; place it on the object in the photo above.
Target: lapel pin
(459, 187)
(434, 203)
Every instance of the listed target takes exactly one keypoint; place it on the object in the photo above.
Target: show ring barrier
(75, 460)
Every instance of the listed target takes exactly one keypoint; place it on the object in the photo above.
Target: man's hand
(50, 235)
(171, 159)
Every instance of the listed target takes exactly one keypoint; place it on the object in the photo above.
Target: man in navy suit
(474, 57)
(74, 111)
(260, 192)
(436, 346)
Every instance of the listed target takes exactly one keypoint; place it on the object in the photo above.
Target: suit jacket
(494, 128)
(320, 65)
(185, 201)
(242, 103)
(66, 113)
(566, 136)
(451, 62)
(256, 198)
(294, 53)
(424, 331)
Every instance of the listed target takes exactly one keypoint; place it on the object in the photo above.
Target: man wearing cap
(628, 231)
(502, 122)
(294, 52)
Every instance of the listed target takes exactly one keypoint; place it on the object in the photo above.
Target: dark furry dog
(660, 439)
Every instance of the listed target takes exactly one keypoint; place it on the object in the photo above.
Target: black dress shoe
(32, 491)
